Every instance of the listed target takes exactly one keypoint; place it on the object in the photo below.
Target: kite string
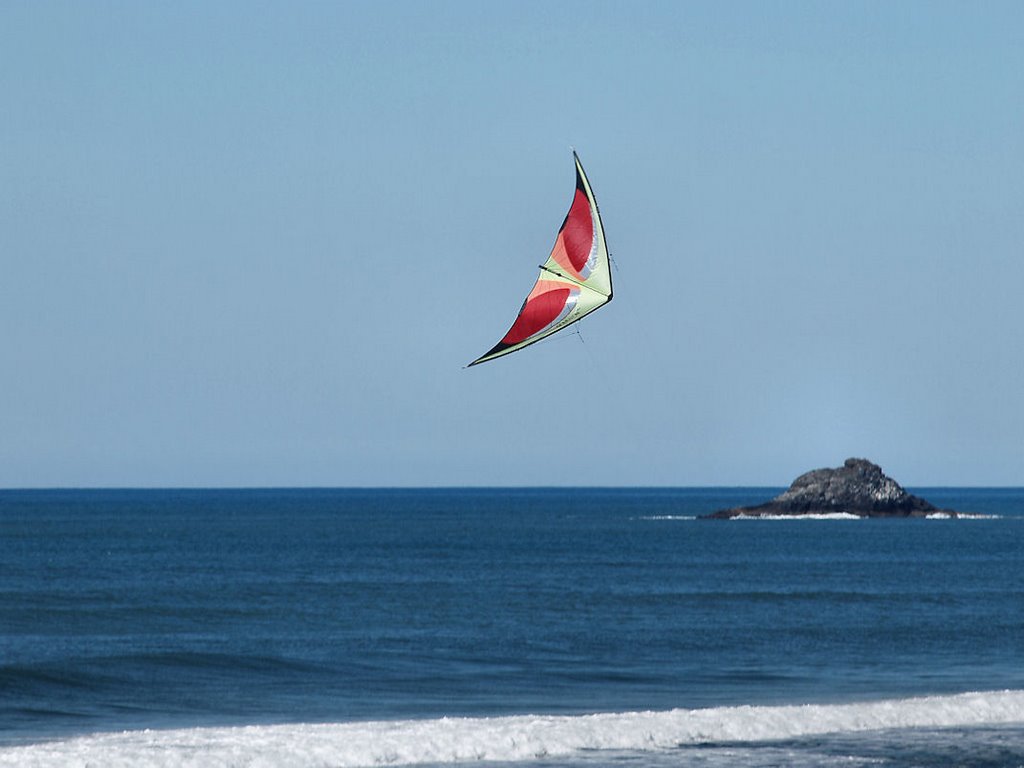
(598, 368)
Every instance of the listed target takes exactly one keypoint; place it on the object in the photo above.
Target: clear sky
(253, 243)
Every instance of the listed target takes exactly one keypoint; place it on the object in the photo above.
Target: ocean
(505, 627)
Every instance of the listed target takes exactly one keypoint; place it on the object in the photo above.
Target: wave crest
(509, 739)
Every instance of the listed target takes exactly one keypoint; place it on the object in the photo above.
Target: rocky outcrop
(857, 488)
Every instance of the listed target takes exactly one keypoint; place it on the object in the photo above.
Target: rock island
(858, 488)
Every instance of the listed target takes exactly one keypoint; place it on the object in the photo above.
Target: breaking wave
(507, 739)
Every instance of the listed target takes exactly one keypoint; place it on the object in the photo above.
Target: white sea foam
(848, 516)
(962, 516)
(519, 738)
(823, 516)
(668, 517)
(826, 516)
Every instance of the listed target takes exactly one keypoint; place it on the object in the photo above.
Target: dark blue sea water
(521, 626)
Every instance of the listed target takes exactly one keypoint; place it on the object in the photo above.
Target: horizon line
(727, 486)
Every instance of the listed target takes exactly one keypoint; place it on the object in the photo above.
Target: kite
(573, 282)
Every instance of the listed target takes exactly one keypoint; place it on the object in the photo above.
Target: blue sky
(256, 243)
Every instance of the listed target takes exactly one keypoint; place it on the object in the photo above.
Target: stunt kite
(573, 282)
